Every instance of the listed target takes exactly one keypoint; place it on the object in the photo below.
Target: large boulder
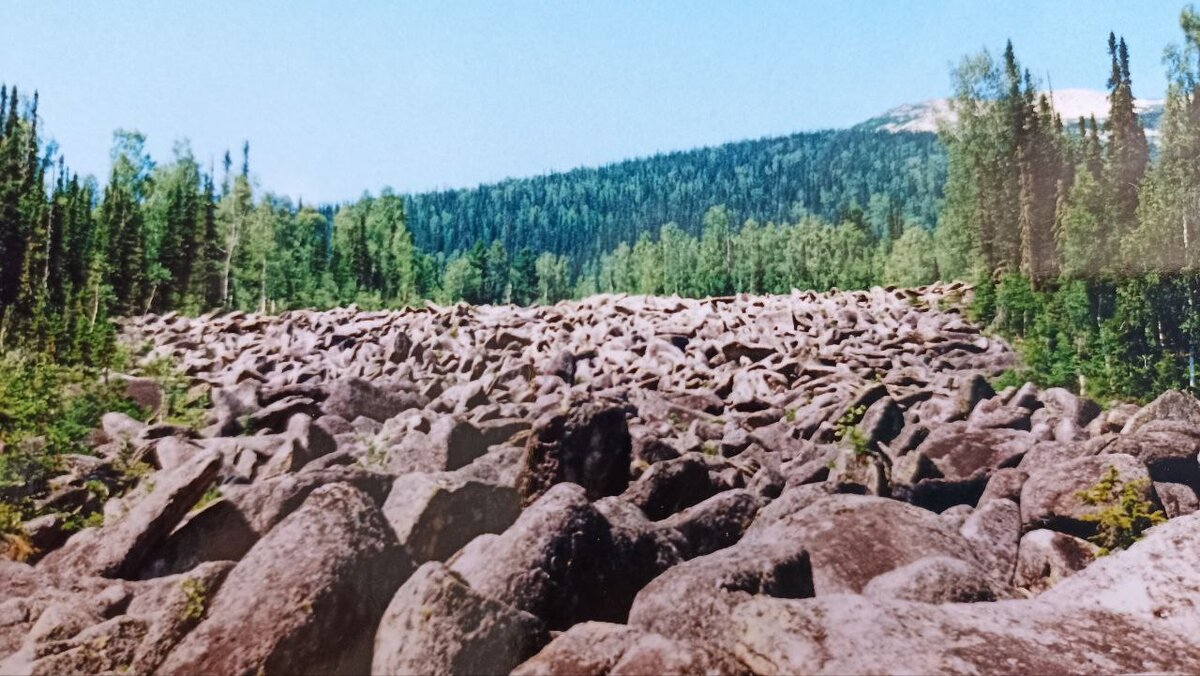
(1046, 557)
(851, 539)
(327, 570)
(1170, 405)
(1156, 581)
(227, 528)
(587, 444)
(562, 560)
(1178, 500)
(452, 442)
(716, 523)
(695, 599)
(934, 579)
(352, 397)
(434, 515)
(959, 452)
(1052, 497)
(672, 485)
(994, 532)
(119, 549)
(1168, 448)
(436, 624)
(849, 634)
(604, 648)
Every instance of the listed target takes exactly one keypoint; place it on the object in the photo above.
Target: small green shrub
(196, 600)
(1124, 515)
(846, 430)
(210, 496)
(180, 405)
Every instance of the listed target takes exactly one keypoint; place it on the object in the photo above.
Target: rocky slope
(622, 485)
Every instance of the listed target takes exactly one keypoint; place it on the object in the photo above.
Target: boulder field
(809, 483)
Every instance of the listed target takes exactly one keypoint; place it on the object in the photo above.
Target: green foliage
(59, 404)
(195, 600)
(1124, 515)
(846, 430)
(586, 213)
(181, 404)
(211, 495)
(912, 261)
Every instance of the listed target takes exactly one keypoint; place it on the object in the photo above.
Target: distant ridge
(1070, 103)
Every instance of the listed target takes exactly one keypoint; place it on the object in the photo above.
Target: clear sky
(344, 96)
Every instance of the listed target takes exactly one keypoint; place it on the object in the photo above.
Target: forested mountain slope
(588, 211)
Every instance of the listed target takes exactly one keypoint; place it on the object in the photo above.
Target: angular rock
(603, 648)
(1170, 405)
(433, 516)
(1156, 581)
(1168, 448)
(353, 397)
(227, 528)
(436, 624)
(672, 485)
(1046, 557)
(303, 594)
(851, 539)
(1178, 500)
(934, 579)
(717, 583)
(960, 453)
(561, 561)
(1050, 498)
(716, 523)
(1004, 484)
(586, 444)
(994, 532)
(848, 634)
(118, 549)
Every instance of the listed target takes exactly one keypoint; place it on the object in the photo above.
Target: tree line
(1083, 245)
(588, 212)
(178, 236)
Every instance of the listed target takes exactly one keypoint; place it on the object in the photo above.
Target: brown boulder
(436, 624)
(587, 444)
(434, 515)
(562, 560)
(327, 570)
(1051, 498)
(119, 548)
(851, 539)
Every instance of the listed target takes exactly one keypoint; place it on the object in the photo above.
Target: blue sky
(341, 97)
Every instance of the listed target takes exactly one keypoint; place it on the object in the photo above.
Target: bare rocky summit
(811, 483)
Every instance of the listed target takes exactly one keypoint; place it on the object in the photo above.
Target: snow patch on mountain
(1071, 104)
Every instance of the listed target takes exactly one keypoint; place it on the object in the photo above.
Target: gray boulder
(562, 560)
(119, 548)
(1046, 557)
(1170, 405)
(434, 515)
(586, 443)
(436, 624)
(851, 539)
(1051, 498)
(326, 570)
(934, 579)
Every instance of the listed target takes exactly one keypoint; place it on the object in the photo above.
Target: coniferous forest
(1080, 239)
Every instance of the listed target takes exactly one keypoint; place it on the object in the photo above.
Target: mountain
(1071, 104)
(586, 212)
